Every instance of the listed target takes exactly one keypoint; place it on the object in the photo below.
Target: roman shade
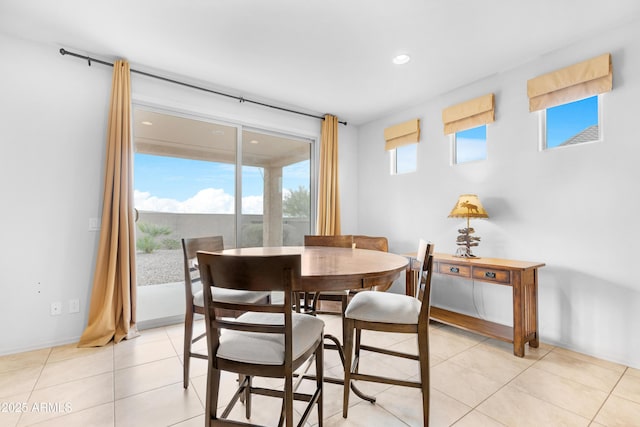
(466, 115)
(402, 134)
(578, 81)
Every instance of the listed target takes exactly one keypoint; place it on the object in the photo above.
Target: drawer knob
(490, 275)
(454, 270)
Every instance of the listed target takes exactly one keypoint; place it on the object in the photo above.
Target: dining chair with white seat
(268, 340)
(310, 302)
(195, 300)
(373, 243)
(346, 241)
(390, 312)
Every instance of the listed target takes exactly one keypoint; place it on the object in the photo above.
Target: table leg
(410, 278)
(532, 309)
(518, 315)
(337, 346)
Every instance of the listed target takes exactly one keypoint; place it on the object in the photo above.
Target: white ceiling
(318, 56)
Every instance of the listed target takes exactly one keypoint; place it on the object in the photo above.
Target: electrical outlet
(74, 306)
(56, 308)
(94, 224)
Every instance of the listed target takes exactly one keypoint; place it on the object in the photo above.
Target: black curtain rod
(239, 98)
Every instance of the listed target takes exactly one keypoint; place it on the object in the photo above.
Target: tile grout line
(551, 373)
(113, 382)
(609, 394)
(475, 408)
(36, 382)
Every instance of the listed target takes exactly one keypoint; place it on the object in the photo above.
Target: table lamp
(467, 206)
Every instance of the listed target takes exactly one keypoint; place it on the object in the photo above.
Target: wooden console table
(522, 276)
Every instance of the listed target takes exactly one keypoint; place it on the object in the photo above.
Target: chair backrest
(423, 288)
(372, 243)
(190, 248)
(249, 273)
(340, 241)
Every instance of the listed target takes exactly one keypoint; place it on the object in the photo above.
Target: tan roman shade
(402, 134)
(572, 83)
(466, 115)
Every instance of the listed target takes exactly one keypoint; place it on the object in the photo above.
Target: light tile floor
(475, 382)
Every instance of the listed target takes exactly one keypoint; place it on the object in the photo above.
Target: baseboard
(157, 323)
(40, 346)
(145, 324)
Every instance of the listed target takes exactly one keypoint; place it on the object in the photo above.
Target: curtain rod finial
(62, 51)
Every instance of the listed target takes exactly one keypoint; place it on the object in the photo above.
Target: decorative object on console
(467, 206)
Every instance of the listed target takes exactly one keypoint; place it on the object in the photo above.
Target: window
(570, 124)
(401, 141)
(404, 159)
(467, 123)
(470, 145)
(276, 182)
(195, 177)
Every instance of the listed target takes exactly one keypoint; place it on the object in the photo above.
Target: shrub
(171, 244)
(147, 243)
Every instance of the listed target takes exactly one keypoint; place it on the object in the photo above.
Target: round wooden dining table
(327, 268)
(336, 269)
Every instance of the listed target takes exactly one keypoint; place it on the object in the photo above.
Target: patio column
(272, 219)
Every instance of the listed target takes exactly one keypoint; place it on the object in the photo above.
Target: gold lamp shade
(467, 206)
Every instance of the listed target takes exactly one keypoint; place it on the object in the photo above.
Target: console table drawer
(491, 275)
(454, 269)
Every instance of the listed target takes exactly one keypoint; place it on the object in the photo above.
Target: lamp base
(464, 253)
(465, 242)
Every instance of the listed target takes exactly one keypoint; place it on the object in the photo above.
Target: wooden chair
(268, 340)
(374, 244)
(346, 241)
(339, 241)
(195, 300)
(310, 302)
(387, 312)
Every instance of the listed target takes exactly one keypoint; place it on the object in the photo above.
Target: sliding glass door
(195, 177)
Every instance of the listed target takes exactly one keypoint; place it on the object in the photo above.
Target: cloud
(208, 200)
(252, 205)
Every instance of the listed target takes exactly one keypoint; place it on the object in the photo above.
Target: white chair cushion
(268, 349)
(384, 307)
(230, 295)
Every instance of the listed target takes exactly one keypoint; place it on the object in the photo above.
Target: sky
(169, 184)
(471, 144)
(568, 120)
(563, 122)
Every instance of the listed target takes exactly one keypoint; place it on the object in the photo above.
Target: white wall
(52, 135)
(571, 208)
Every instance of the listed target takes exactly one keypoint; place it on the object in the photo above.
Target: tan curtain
(469, 114)
(578, 81)
(328, 195)
(112, 310)
(402, 134)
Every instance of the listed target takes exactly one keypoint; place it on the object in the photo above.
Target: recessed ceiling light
(147, 123)
(254, 141)
(401, 59)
